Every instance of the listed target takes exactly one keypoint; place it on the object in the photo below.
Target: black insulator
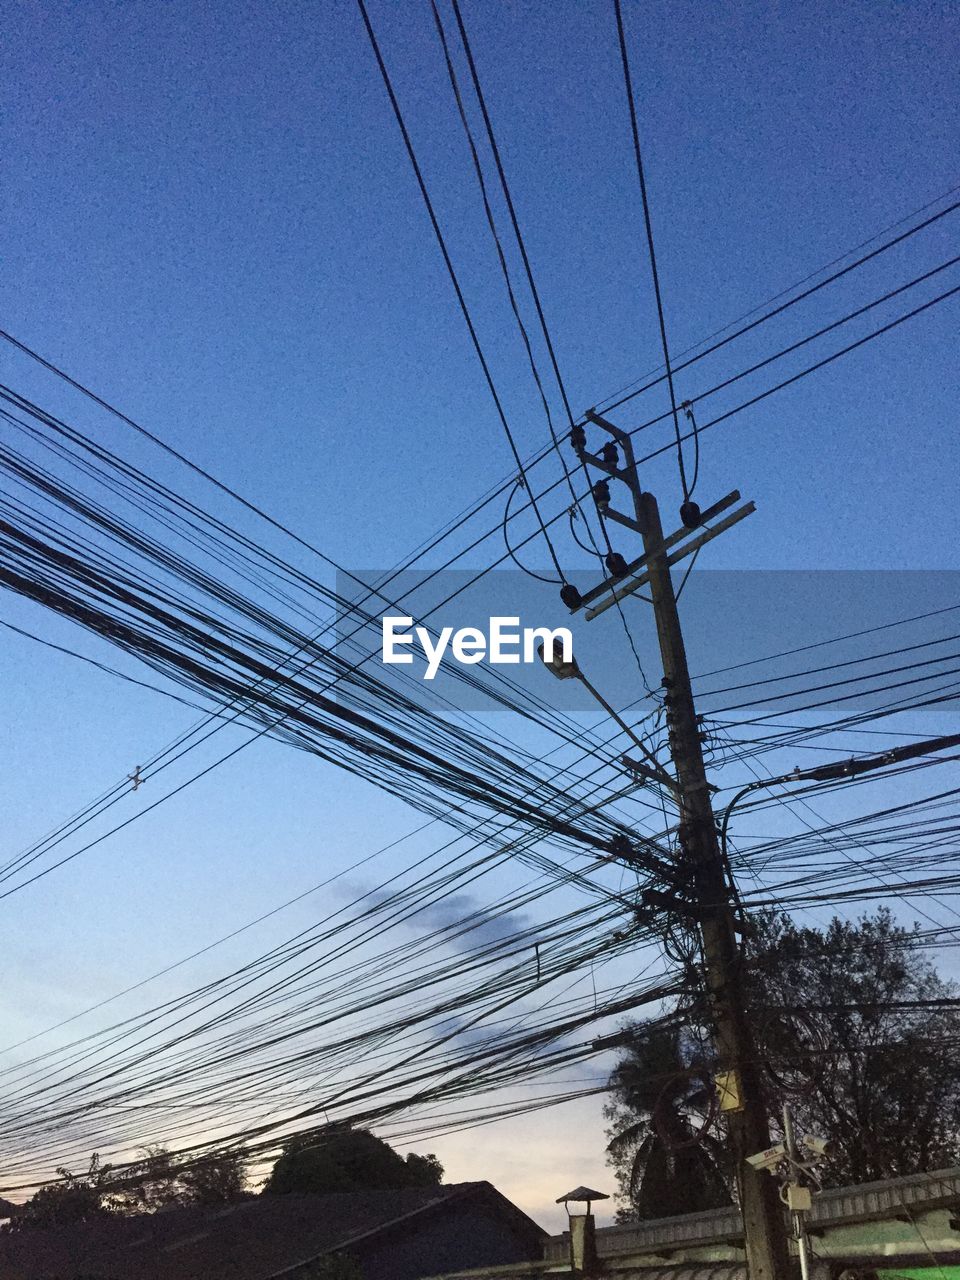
(570, 596)
(609, 454)
(616, 565)
(578, 438)
(601, 495)
(690, 516)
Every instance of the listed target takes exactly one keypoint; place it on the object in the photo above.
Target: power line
(753, 400)
(840, 639)
(611, 402)
(438, 233)
(792, 302)
(631, 103)
(531, 280)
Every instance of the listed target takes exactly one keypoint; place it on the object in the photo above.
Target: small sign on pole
(729, 1091)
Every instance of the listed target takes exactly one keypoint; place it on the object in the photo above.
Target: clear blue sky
(209, 219)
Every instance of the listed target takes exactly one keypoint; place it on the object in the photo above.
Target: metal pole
(799, 1225)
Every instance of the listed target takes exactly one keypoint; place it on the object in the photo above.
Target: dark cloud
(471, 922)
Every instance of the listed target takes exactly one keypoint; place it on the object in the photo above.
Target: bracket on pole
(611, 590)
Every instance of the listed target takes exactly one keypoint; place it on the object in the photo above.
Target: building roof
(264, 1238)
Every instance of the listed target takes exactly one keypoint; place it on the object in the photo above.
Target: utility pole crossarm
(608, 584)
(689, 548)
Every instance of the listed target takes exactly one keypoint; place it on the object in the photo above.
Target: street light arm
(656, 768)
(830, 772)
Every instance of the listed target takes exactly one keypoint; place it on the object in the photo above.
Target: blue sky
(210, 220)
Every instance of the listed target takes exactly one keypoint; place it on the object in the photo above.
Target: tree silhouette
(74, 1198)
(861, 1033)
(342, 1158)
(666, 1162)
(160, 1180)
(854, 1028)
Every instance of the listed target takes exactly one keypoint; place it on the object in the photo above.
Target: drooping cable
(631, 103)
(451, 272)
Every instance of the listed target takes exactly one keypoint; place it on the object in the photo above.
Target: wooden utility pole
(709, 899)
(742, 1093)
